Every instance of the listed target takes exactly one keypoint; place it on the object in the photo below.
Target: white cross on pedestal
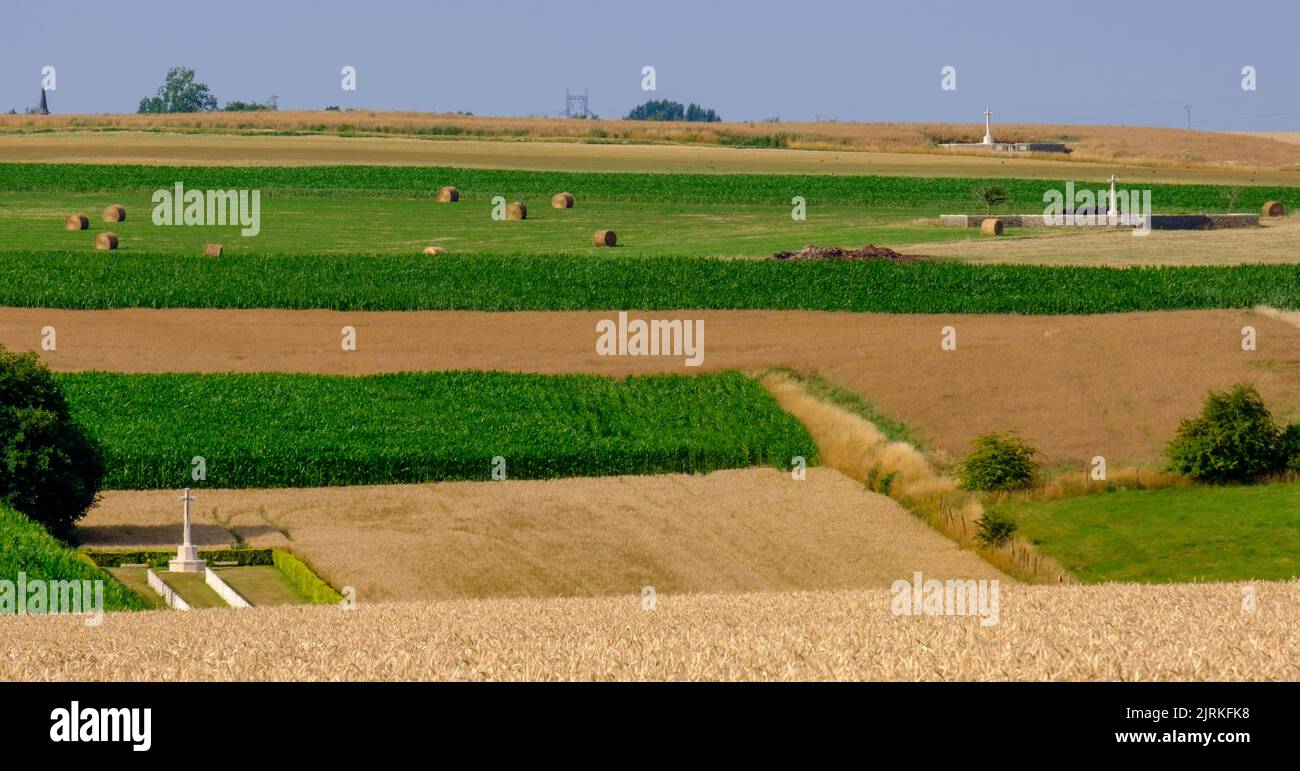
(988, 131)
(1112, 212)
(187, 556)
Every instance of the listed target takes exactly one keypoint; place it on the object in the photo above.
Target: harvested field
(1273, 242)
(729, 531)
(223, 150)
(1113, 632)
(1075, 386)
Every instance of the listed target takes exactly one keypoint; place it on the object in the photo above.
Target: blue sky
(1135, 63)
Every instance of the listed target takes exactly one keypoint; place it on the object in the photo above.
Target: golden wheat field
(1075, 386)
(742, 530)
(1110, 632)
(550, 154)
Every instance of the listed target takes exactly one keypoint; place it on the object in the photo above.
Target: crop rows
(279, 430)
(394, 181)
(580, 282)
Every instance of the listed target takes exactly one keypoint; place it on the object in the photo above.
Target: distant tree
(180, 92)
(235, 105)
(666, 109)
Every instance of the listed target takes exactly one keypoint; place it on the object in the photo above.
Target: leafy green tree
(1234, 439)
(998, 462)
(666, 109)
(49, 469)
(180, 92)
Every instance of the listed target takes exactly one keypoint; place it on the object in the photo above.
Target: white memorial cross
(187, 557)
(988, 131)
(1112, 213)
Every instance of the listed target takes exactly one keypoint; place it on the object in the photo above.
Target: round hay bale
(1273, 209)
(105, 241)
(516, 211)
(114, 213)
(213, 250)
(991, 227)
(434, 250)
(76, 222)
(562, 201)
(448, 195)
(604, 238)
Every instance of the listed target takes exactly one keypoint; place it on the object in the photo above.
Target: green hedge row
(305, 580)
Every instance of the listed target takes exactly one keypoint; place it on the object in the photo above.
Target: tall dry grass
(856, 448)
(1132, 144)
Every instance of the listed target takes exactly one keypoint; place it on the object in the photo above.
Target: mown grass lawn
(1175, 534)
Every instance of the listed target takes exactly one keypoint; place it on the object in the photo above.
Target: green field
(536, 187)
(1174, 534)
(362, 226)
(27, 548)
(609, 282)
(278, 430)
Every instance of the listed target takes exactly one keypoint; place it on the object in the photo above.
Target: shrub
(305, 579)
(1289, 448)
(49, 469)
(993, 529)
(999, 462)
(1234, 439)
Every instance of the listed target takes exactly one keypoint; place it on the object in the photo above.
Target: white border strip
(233, 598)
(168, 594)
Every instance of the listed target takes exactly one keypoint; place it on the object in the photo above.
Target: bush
(993, 529)
(1289, 448)
(999, 462)
(49, 469)
(1234, 439)
(305, 579)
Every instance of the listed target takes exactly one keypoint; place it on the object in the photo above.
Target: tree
(1234, 439)
(667, 109)
(180, 92)
(989, 196)
(50, 469)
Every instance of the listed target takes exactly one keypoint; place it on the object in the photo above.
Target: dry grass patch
(1110, 632)
(744, 530)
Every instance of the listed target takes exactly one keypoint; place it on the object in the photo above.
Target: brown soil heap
(862, 253)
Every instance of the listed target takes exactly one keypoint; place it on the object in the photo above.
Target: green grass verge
(399, 181)
(577, 282)
(25, 547)
(1173, 534)
(193, 588)
(305, 580)
(281, 430)
(263, 586)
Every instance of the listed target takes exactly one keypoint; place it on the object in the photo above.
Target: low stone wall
(1010, 147)
(1158, 221)
(168, 594)
(233, 598)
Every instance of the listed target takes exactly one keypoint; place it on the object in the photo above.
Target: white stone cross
(988, 131)
(187, 499)
(187, 556)
(1112, 212)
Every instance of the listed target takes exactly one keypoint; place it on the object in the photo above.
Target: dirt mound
(862, 253)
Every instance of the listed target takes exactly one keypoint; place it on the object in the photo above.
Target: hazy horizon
(1120, 63)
